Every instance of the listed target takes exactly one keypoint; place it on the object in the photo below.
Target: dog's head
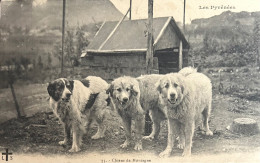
(124, 90)
(60, 89)
(171, 88)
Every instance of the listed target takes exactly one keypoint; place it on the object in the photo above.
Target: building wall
(185, 59)
(111, 66)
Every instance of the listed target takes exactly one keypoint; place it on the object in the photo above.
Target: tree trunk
(245, 126)
(63, 34)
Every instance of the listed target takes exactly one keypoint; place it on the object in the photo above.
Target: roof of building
(131, 35)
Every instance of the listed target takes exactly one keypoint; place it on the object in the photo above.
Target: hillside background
(31, 35)
(34, 30)
(229, 39)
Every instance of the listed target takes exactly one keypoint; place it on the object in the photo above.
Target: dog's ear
(135, 89)
(71, 85)
(181, 80)
(182, 89)
(51, 89)
(110, 90)
(158, 86)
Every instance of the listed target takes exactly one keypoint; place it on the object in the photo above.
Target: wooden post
(11, 79)
(150, 50)
(149, 59)
(180, 56)
(15, 101)
(0, 10)
(130, 12)
(63, 35)
(184, 15)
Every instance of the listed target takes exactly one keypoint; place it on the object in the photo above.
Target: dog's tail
(187, 71)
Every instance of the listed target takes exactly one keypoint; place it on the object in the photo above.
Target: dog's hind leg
(100, 132)
(206, 115)
(101, 128)
(157, 117)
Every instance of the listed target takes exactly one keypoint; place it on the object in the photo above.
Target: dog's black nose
(172, 95)
(125, 99)
(68, 95)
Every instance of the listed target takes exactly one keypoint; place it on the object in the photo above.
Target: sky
(194, 8)
(35, 2)
(39, 2)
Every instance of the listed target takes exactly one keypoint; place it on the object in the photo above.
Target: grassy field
(235, 94)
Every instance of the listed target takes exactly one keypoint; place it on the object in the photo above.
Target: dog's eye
(167, 85)
(127, 89)
(175, 85)
(119, 89)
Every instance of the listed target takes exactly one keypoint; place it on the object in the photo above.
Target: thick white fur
(193, 97)
(149, 99)
(146, 98)
(73, 113)
(127, 87)
(97, 84)
(187, 71)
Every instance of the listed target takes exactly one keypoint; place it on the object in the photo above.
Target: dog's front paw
(166, 153)
(180, 146)
(64, 142)
(186, 153)
(125, 144)
(150, 138)
(97, 136)
(209, 133)
(74, 149)
(138, 147)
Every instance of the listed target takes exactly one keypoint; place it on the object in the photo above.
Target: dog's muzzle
(67, 98)
(172, 99)
(124, 101)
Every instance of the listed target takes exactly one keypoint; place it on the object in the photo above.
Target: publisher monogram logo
(7, 155)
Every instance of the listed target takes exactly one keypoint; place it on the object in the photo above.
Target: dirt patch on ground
(42, 132)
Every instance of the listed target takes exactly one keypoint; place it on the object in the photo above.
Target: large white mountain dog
(186, 100)
(132, 98)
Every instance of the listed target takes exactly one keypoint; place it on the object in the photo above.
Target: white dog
(77, 103)
(186, 96)
(132, 98)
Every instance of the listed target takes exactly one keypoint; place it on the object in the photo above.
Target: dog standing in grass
(77, 103)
